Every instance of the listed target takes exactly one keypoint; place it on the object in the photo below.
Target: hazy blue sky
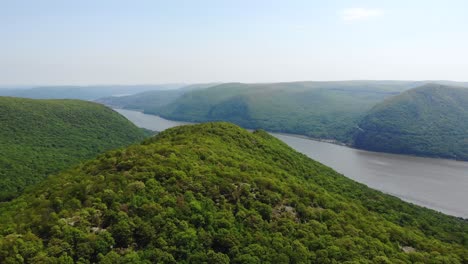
(109, 42)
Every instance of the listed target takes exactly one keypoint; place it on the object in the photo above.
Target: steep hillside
(328, 110)
(39, 137)
(431, 120)
(215, 193)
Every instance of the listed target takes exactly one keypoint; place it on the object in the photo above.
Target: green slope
(39, 137)
(431, 120)
(328, 110)
(215, 193)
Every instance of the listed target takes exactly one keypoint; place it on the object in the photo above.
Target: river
(439, 184)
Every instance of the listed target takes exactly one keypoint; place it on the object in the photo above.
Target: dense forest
(215, 193)
(40, 137)
(431, 120)
(388, 116)
(327, 110)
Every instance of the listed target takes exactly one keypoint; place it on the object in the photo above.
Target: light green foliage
(40, 137)
(215, 193)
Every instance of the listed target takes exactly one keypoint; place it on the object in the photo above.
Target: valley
(416, 118)
(233, 132)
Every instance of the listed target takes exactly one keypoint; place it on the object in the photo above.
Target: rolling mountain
(149, 101)
(215, 193)
(82, 92)
(40, 137)
(327, 110)
(431, 120)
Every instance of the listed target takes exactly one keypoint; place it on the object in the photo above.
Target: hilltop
(215, 193)
(431, 120)
(40, 137)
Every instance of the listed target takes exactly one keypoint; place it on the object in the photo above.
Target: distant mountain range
(337, 111)
(150, 100)
(81, 92)
(316, 109)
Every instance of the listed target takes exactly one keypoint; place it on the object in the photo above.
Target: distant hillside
(82, 92)
(431, 120)
(327, 110)
(149, 101)
(215, 193)
(40, 137)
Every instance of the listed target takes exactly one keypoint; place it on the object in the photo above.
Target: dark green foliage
(431, 121)
(215, 193)
(40, 137)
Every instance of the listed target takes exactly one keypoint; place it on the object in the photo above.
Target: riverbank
(331, 141)
(418, 180)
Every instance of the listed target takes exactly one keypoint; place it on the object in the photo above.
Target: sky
(90, 42)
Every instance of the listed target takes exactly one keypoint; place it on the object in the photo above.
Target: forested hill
(39, 137)
(215, 193)
(431, 120)
(327, 110)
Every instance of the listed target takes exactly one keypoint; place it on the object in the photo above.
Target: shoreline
(407, 197)
(330, 141)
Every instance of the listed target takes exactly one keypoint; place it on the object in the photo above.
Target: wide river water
(439, 184)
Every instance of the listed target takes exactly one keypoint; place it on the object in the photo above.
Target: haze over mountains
(81, 92)
(323, 110)
(150, 100)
